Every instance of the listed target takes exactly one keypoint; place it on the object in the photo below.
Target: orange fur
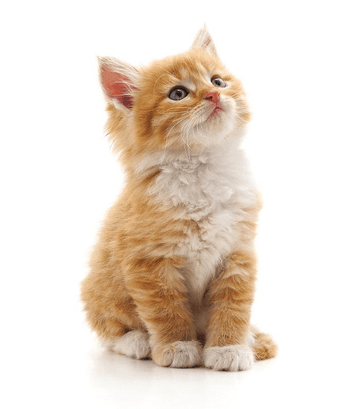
(137, 277)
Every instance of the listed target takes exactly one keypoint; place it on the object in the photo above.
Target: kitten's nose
(213, 96)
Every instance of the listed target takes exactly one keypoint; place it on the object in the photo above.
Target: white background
(299, 63)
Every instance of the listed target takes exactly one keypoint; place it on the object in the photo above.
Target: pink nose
(213, 96)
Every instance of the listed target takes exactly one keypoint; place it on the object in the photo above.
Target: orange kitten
(173, 273)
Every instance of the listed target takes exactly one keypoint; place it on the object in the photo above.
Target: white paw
(134, 343)
(229, 358)
(180, 354)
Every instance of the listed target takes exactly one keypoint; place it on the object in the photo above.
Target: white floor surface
(69, 369)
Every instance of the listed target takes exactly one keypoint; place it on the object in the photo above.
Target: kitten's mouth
(216, 112)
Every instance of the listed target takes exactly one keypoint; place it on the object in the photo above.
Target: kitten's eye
(218, 82)
(178, 93)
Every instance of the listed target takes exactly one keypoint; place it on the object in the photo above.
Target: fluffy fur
(175, 262)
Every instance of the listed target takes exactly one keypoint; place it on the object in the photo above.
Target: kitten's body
(175, 261)
(209, 191)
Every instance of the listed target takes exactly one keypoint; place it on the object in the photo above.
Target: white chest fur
(210, 190)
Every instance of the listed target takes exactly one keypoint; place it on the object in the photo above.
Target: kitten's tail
(263, 346)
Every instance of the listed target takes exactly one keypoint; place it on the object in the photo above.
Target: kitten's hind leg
(134, 344)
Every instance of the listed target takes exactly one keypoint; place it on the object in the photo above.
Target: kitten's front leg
(231, 296)
(159, 292)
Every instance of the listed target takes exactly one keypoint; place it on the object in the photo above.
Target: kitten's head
(188, 102)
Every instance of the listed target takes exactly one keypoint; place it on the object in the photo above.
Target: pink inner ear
(117, 86)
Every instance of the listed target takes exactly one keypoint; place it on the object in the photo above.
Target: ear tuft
(118, 81)
(203, 40)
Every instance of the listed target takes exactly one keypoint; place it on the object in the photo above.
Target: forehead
(189, 69)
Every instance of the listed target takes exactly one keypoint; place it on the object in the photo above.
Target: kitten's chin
(215, 129)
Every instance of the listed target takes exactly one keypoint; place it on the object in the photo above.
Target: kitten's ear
(118, 81)
(203, 40)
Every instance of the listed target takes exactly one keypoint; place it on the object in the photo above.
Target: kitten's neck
(227, 153)
(200, 183)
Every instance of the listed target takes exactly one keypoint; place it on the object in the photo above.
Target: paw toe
(229, 358)
(180, 354)
(134, 344)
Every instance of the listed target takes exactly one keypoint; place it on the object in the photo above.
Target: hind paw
(134, 344)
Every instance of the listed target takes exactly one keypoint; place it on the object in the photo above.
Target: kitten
(173, 273)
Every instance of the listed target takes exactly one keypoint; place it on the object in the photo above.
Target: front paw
(229, 358)
(179, 354)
